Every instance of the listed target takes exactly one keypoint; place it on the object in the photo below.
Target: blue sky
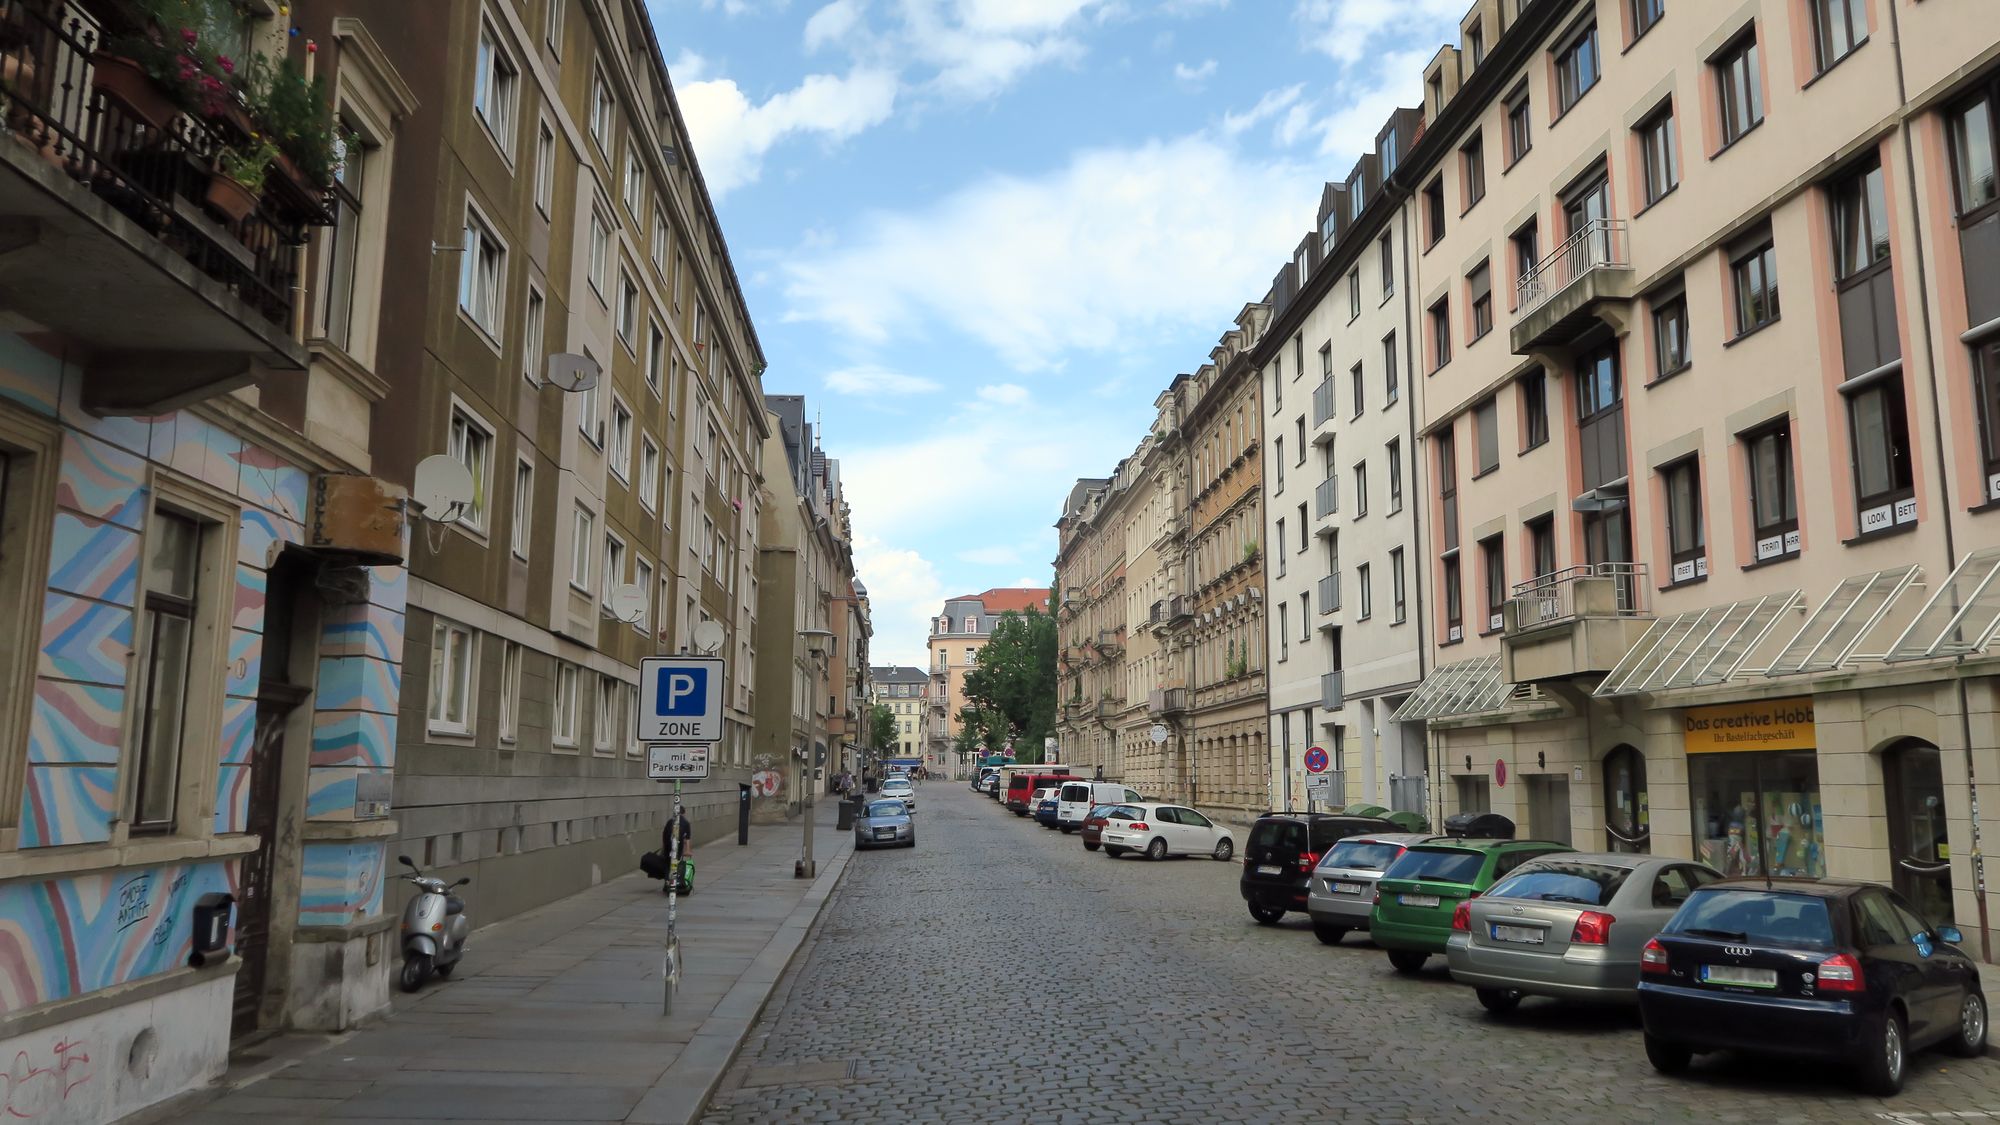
(982, 235)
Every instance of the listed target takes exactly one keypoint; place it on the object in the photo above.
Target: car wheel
(1329, 935)
(1667, 1058)
(1408, 961)
(1970, 1042)
(1090, 847)
(1265, 915)
(913, 841)
(1224, 848)
(1157, 849)
(1112, 853)
(1067, 828)
(1499, 1001)
(1883, 1057)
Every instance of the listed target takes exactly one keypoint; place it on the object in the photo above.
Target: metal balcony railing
(1323, 402)
(1326, 498)
(1601, 244)
(1552, 597)
(1333, 690)
(1329, 593)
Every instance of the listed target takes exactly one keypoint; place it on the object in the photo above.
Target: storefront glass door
(1758, 813)
(1917, 841)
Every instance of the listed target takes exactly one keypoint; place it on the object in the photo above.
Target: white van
(1075, 799)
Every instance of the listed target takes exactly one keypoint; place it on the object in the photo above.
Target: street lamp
(816, 641)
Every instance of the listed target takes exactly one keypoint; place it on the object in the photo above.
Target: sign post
(1318, 785)
(679, 719)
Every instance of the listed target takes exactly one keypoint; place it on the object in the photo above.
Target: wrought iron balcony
(1561, 297)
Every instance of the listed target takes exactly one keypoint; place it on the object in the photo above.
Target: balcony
(1167, 701)
(1329, 594)
(1109, 643)
(1575, 622)
(110, 239)
(1326, 498)
(1108, 708)
(1588, 277)
(1332, 691)
(1158, 614)
(1323, 402)
(1180, 609)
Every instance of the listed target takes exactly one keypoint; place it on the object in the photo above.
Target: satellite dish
(628, 604)
(568, 371)
(707, 637)
(442, 487)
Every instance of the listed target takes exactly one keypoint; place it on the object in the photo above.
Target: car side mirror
(1950, 935)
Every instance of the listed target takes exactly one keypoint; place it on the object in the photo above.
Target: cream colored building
(905, 691)
(957, 635)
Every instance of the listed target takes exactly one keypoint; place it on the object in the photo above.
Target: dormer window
(1388, 147)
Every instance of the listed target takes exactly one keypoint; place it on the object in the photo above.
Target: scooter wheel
(444, 970)
(416, 967)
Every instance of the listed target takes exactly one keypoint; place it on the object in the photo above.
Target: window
(1303, 538)
(1299, 429)
(1493, 556)
(590, 414)
(1360, 489)
(342, 245)
(1739, 87)
(1279, 543)
(1472, 163)
(656, 357)
(451, 678)
(172, 572)
(1756, 278)
(1879, 427)
(583, 532)
(496, 87)
(708, 544)
(1520, 138)
(659, 241)
(1278, 461)
(1670, 335)
(1839, 26)
(1542, 545)
(562, 720)
(1446, 443)
(1860, 222)
(1395, 455)
(1973, 158)
(481, 273)
(1354, 293)
(635, 182)
(1685, 540)
(1386, 254)
(1475, 43)
(621, 441)
(614, 565)
(1659, 152)
(471, 445)
(604, 717)
(510, 691)
(1397, 585)
(642, 578)
(545, 168)
(1358, 387)
(649, 473)
(523, 529)
(1527, 254)
(1454, 603)
(552, 29)
(1366, 591)
(1479, 289)
(1390, 390)
(628, 310)
(603, 112)
(1577, 68)
(1486, 428)
(1774, 516)
(1284, 633)
(532, 358)
(1433, 212)
(1646, 13)
(1441, 333)
(1533, 395)
(600, 252)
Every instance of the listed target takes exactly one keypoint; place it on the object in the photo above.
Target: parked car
(1161, 830)
(1077, 798)
(1569, 926)
(1282, 851)
(1342, 887)
(1045, 806)
(980, 779)
(1021, 789)
(1092, 831)
(1416, 898)
(902, 789)
(885, 823)
(1821, 968)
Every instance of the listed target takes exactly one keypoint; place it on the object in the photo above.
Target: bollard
(742, 815)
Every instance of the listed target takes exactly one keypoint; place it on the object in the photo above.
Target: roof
(1010, 599)
(898, 674)
(1790, 884)
(1486, 844)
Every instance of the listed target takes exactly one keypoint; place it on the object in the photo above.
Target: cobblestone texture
(1144, 991)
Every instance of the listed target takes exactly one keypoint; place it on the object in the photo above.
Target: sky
(981, 236)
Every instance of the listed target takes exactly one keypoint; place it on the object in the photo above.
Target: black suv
(1283, 850)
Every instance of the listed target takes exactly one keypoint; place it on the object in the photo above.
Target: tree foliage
(1012, 692)
(882, 728)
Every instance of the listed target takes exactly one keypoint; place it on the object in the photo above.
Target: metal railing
(1326, 498)
(1329, 594)
(1323, 402)
(157, 176)
(1552, 597)
(1180, 607)
(1333, 690)
(1600, 244)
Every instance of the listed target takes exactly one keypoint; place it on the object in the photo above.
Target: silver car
(1569, 926)
(1342, 888)
(884, 823)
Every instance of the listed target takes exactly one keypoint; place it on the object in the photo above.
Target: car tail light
(1592, 928)
(1377, 900)
(1308, 860)
(1653, 958)
(1139, 826)
(1461, 918)
(1841, 973)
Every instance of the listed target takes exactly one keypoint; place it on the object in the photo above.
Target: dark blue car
(1845, 972)
(1045, 812)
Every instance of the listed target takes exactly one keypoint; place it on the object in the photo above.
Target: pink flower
(188, 36)
(228, 66)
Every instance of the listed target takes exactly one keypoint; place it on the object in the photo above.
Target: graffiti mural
(33, 1085)
(63, 937)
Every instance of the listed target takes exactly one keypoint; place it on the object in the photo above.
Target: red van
(1021, 789)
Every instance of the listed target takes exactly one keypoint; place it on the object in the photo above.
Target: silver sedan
(1568, 926)
(884, 823)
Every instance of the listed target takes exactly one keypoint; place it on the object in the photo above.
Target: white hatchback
(1161, 830)
(902, 789)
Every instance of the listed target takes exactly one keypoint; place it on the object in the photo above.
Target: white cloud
(833, 23)
(1274, 102)
(1346, 30)
(904, 593)
(996, 555)
(877, 381)
(1194, 75)
(1004, 394)
(1086, 257)
(731, 135)
(687, 67)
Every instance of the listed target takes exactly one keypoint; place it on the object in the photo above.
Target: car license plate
(1739, 976)
(885, 832)
(1417, 900)
(1348, 888)
(1268, 870)
(1526, 935)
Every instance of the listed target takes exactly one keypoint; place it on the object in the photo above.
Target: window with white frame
(524, 507)
(642, 577)
(603, 111)
(531, 336)
(583, 533)
(173, 607)
(452, 662)
(510, 691)
(496, 90)
(679, 263)
(604, 717)
(552, 27)
(659, 242)
(614, 564)
(562, 711)
(635, 182)
(482, 273)
(600, 251)
(471, 445)
(590, 414)
(656, 357)
(621, 440)
(545, 168)
(628, 310)
(649, 472)
(341, 245)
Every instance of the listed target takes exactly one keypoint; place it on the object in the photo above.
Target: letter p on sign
(683, 691)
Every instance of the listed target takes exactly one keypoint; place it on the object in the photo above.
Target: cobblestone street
(1144, 990)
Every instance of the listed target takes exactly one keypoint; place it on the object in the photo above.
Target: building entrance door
(1627, 810)
(1917, 841)
(275, 702)
(1548, 807)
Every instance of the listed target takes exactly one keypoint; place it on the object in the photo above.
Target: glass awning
(1961, 618)
(1463, 688)
(1844, 621)
(1699, 647)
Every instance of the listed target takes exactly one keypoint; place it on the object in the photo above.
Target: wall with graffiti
(63, 937)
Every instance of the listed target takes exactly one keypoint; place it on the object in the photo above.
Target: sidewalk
(556, 1015)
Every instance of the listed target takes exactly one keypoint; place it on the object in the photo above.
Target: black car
(1814, 968)
(1282, 852)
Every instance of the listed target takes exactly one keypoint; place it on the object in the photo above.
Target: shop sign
(1770, 724)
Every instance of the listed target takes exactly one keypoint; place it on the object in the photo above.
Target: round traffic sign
(1500, 771)
(1316, 760)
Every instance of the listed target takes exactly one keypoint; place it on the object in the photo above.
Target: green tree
(1012, 691)
(882, 729)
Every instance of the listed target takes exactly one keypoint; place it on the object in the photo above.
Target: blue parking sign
(680, 699)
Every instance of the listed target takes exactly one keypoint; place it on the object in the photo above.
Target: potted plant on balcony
(161, 58)
(238, 179)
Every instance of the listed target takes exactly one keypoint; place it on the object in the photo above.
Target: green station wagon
(1415, 899)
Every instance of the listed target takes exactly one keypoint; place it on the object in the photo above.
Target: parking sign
(680, 699)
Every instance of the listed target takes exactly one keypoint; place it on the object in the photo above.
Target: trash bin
(1479, 826)
(849, 809)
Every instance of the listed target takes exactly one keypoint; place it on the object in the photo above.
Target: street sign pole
(679, 720)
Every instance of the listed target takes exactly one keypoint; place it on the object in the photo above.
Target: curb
(683, 1093)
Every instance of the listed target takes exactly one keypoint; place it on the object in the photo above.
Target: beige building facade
(957, 634)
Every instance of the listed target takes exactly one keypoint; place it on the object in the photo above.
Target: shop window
(1758, 813)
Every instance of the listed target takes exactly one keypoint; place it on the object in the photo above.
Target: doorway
(1548, 807)
(1917, 841)
(1628, 815)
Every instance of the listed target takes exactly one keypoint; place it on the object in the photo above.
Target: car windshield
(885, 808)
(1755, 917)
(895, 783)
(1439, 865)
(1587, 884)
(1125, 812)
(1362, 855)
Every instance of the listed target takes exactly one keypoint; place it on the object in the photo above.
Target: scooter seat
(454, 906)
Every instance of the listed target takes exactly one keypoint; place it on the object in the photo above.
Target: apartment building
(1707, 302)
(203, 545)
(608, 523)
(957, 634)
(905, 692)
(1091, 622)
(1345, 495)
